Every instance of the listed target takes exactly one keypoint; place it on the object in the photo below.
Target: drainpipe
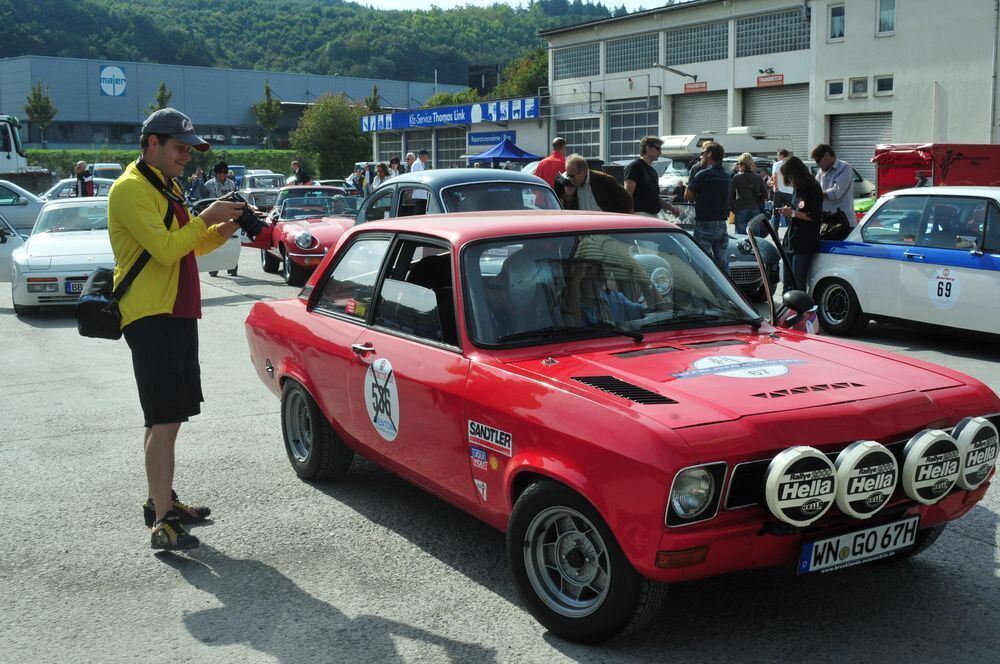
(993, 101)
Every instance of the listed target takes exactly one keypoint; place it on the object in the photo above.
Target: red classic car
(592, 385)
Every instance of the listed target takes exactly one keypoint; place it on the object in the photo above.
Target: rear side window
(991, 243)
(951, 222)
(380, 208)
(351, 285)
(417, 297)
(898, 221)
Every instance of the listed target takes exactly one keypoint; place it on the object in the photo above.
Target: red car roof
(460, 228)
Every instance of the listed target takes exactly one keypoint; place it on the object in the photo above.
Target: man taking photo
(160, 310)
(586, 189)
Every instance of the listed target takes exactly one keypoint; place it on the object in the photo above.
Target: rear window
(488, 196)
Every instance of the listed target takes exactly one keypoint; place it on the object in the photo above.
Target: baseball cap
(177, 125)
(424, 153)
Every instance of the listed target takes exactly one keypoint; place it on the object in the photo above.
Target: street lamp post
(693, 77)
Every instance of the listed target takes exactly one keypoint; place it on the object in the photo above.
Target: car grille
(744, 274)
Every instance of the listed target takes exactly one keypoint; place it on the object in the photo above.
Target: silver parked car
(19, 206)
(66, 188)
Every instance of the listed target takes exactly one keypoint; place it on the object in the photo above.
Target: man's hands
(223, 212)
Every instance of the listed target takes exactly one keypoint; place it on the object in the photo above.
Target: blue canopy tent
(501, 152)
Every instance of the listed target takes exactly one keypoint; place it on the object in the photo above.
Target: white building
(852, 73)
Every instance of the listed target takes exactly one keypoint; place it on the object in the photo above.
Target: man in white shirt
(782, 191)
(836, 179)
(420, 195)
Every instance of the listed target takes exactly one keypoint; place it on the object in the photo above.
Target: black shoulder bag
(97, 312)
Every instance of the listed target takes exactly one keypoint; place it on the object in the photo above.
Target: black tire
(25, 310)
(925, 538)
(626, 603)
(213, 273)
(293, 273)
(314, 449)
(269, 263)
(233, 272)
(838, 309)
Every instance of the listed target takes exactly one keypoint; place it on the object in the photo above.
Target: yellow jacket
(135, 222)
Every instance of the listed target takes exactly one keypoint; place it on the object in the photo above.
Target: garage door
(698, 112)
(854, 138)
(782, 112)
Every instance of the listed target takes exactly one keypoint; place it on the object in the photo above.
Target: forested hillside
(315, 36)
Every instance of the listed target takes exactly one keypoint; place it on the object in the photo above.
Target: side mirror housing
(798, 301)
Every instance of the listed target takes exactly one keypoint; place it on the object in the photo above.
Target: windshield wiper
(546, 332)
(711, 318)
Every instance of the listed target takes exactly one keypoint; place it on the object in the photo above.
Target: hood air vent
(804, 389)
(624, 390)
(716, 344)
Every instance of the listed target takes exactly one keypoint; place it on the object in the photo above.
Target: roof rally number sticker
(382, 398)
(944, 288)
(732, 366)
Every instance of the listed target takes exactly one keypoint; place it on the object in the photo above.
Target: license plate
(74, 287)
(859, 547)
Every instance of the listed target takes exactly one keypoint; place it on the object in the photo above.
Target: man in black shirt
(642, 182)
(709, 190)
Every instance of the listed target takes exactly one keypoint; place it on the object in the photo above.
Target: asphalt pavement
(370, 568)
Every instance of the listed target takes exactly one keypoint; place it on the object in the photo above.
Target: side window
(7, 196)
(351, 285)
(380, 208)
(991, 241)
(417, 297)
(898, 221)
(412, 201)
(4, 139)
(952, 222)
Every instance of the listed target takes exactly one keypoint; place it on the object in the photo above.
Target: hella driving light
(305, 240)
(692, 492)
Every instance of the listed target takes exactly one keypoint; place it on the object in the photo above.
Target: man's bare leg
(159, 447)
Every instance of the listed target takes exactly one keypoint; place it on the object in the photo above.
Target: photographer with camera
(581, 188)
(160, 311)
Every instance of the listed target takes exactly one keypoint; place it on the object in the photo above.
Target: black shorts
(165, 360)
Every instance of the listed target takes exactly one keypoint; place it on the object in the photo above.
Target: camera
(248, 221)
(560, 182)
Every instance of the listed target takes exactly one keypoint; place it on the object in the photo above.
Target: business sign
(697, 86)
(491, 138)
(112, 81)
(526, 108)
(770, 80)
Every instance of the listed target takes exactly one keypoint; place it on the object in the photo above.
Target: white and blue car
(929, 255)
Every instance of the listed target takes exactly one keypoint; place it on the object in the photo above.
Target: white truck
(13, 158)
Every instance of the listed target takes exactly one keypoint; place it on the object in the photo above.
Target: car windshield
(578, 285)
(677, 169)
(72, 218)
(486, 196)
(265, 181)
(348, 205)
(304, 207)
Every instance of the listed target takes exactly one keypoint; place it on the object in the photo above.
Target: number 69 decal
(944, 288)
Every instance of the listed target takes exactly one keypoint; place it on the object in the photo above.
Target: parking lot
(372, 569)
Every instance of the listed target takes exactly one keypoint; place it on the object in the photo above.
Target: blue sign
(491, 138)
(112, 81)
(504, 110)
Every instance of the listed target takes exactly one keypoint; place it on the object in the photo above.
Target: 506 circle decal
(801, 485)
(866, 478)
(978, 446)
(382, 398)
(931, 467)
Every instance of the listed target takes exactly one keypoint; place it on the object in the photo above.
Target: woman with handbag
(747, 193)
(804, 217)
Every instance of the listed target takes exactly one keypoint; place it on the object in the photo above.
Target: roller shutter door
(698, 112)
(854, 138)
(782, 112)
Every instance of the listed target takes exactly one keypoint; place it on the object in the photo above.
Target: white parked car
(19, 206)
(927, 255)
(66, 188)
(69, 241)
(10, 240)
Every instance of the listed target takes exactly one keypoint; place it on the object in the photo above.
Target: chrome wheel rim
(298, 426)
(567, 562)
(836, 304)
(286, 266)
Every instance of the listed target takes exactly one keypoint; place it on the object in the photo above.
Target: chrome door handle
(362, 349)
(910, 254)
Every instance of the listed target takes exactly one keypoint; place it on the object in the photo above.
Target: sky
(631, 5)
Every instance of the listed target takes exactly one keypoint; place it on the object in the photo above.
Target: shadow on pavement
(906, 338)
(266, 611)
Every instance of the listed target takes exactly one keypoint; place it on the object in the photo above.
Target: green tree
(331, 128)
(39, 108)
(523, 77)
(372, 103)
(162, 99)
(466, 96)
(267, 112)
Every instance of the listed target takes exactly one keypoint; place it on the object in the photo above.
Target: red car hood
(329, 230)
(717, 379)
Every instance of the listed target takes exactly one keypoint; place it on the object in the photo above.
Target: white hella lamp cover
(801, 485)
(978, 446)
(866, 478)
(931, 467)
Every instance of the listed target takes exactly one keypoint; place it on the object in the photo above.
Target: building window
(859, 87)
(390, 144)
(772, 33)
(886, 18)
(628, 122)
(883, 85)
(631, 53)
(583, 136)
(450, 147)
(835, 89)
(577, 61)
(699, 43)
(836, 23)
(421, 139)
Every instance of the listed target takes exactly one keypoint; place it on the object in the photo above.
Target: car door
(10, 240)
(951, 276)
(377, 206)
(338, 312)
(407, 380)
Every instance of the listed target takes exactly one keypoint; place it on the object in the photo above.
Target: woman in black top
(804, 216)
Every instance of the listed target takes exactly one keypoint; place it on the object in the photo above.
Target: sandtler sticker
(382, 398)
(490, 437)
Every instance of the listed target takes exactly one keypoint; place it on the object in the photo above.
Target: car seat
(944, 222)
(434, 272)
(530, 299)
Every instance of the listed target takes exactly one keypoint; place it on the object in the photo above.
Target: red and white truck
(904, 165)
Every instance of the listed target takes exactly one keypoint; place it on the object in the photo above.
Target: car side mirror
(3, 236)
(21, 201)
(798, 301)
(968, 242)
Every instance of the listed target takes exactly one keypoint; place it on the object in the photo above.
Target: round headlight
(305, 240)
(692, 492)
